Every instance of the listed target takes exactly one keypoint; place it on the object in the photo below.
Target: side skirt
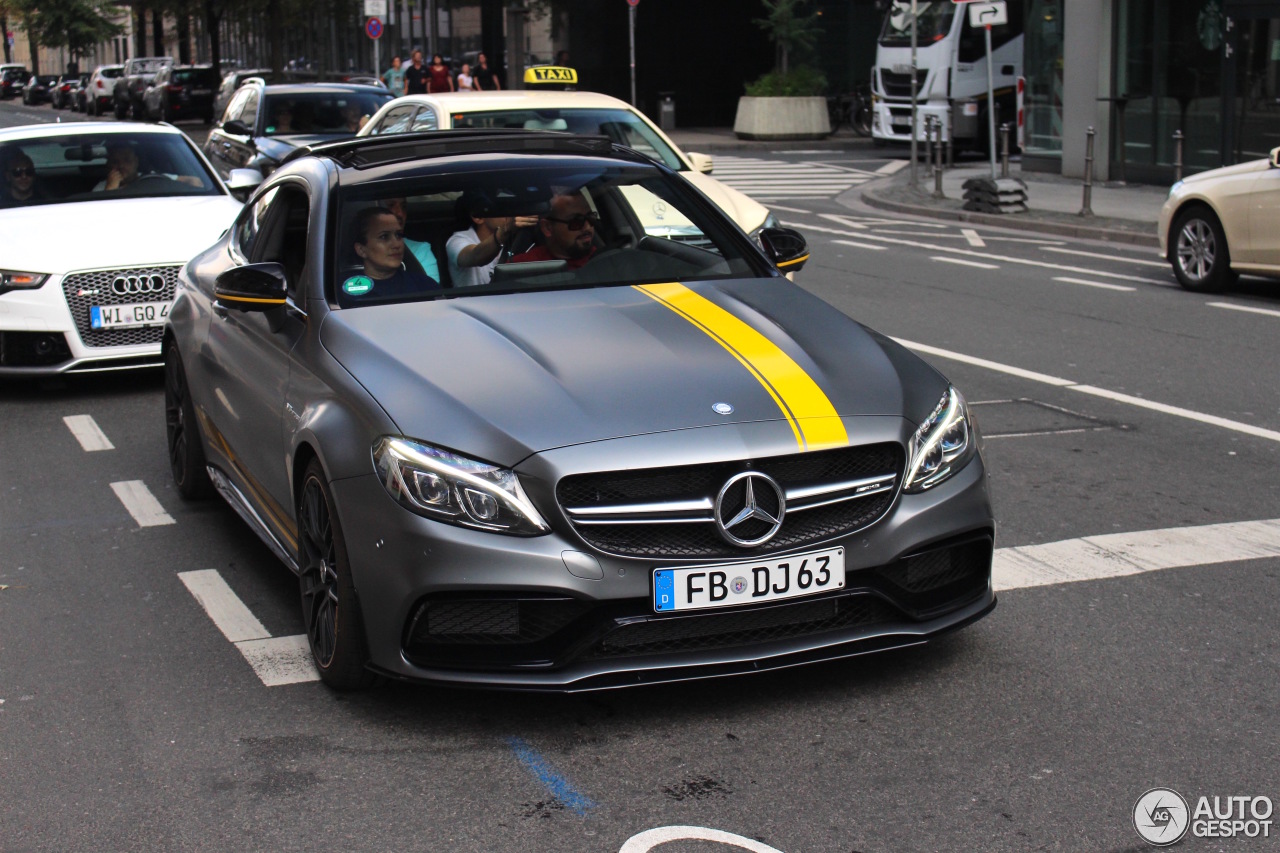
(245, 510)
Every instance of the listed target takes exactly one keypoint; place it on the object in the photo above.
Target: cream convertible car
(1224, 222)
(576, 112)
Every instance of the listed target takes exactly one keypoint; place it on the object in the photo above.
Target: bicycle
(852, 109)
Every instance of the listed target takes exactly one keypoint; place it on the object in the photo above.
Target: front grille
(898, 85)
(703, 482)
(744, 627)
(85, 289)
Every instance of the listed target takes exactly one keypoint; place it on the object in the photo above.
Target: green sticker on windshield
(357, 285)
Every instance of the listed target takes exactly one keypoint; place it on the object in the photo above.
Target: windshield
(110, 72)
(98, 166)
(622, 126)
(199, 76)
(933, 23)
(150, 66)
(533, 226)
(338, 113)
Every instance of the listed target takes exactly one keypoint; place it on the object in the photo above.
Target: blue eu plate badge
(664, 590)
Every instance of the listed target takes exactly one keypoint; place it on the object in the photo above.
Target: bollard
(951, 155)
(1087, 209)
(1177, 155)
(1004, 150)
(928, 140)
(937, 164)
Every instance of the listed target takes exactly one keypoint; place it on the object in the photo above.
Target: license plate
(135, 316)
(728, 585)
(900, 121)
(201, 91)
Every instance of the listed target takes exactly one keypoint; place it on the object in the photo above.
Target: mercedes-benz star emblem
(722, 408)
(749, 509)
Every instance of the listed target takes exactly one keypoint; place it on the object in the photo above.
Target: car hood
(504, 376)
(1225, 171)
(747, 212)
(127, 232)
(278, 147)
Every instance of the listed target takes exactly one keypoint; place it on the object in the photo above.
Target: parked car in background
(60, 93)
(100, 90)
(39, 89)
(231, 81)
(132, 85)
(77, 93)
(13, 81)
(1224, 222)
(180, 92)
(262, 124)
(90, 258)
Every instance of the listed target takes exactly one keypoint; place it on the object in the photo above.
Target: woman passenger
(379, 241)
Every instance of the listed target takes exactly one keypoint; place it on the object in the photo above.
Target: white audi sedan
(96, 220)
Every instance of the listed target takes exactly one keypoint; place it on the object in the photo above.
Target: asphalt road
(1112, 401)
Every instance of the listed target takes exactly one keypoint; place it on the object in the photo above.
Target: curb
(1015, 221)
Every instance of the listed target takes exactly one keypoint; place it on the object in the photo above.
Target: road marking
(1036, 434)
(1093, 283)
(86, 431)
(973, 238)
(892, 167)
(792, 210)
(1189, 414)
(650, 839)
(1164, 265)
(142, 505)
(275, 660)
(860, 245)
(1119, 554)
(557, 785)
(964, 263)
(1267, 311)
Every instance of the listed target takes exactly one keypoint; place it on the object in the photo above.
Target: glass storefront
(1042, 64)
(1254, 126)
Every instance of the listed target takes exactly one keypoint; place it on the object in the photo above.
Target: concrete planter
(782, 118)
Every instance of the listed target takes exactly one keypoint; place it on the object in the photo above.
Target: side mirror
(242, 182)
(701, 162)
(236, 127)
(252, 287)
(786, 247)
(1275, 158)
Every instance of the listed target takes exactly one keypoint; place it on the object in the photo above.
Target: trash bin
(666, 111)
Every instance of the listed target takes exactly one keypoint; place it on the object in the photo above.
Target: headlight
(445, 486)
(21, 280)
(942, 445)
(770, 221)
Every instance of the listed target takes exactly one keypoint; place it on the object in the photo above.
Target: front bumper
(450, 605)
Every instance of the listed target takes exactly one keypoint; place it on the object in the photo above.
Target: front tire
(1200, 256)
(186, 450)
(335, 631)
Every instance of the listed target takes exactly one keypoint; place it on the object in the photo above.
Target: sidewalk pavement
(1121, 213)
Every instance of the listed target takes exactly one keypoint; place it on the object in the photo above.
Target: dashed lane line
(141, 504)
(893, 167)
(1164, 265)
(1100, 284)
(965, 263)
(86, 431)
(1246, 308)
(791, 209)
(1071, 385)
(870, 246)
(973, 237)
(275, 660)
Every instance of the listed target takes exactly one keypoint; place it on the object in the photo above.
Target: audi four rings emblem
(127, 285)
(761, 500)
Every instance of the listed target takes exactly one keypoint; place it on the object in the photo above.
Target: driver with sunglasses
(19, 186)
(568, 232)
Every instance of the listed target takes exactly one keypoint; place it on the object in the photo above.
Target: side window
(425, 120)
(395, 121)
(249, 115)
(249, 228)
(282, 233)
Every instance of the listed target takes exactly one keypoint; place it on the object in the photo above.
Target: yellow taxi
(570, 111)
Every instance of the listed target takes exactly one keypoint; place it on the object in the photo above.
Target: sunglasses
(22, 172)
(575, 223)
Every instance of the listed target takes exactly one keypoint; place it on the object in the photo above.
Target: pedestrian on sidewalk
(394, 77)
(416, 76)
(466, 83)
(486, 78)
(438, 77)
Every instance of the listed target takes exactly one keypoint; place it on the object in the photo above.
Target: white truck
(951, 72)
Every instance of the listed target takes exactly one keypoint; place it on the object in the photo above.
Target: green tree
(789, 29)
(77, 25)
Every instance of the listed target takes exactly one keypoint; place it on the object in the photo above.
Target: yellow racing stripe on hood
(812, 417)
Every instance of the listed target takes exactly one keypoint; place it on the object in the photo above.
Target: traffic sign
(988, 14)
(375, 8)
(373, 28)
(633, 2)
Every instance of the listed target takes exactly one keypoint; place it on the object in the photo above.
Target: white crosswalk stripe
(765, 180)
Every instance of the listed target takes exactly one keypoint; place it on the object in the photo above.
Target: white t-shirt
(466, 83)
(467, 276)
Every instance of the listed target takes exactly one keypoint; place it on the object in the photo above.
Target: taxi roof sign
(551, 74)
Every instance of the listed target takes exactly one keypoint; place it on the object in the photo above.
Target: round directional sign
(633, 2)
(373, 27)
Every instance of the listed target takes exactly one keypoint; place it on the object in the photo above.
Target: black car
(12, 83)
(263, 124)
(62, 92)
(39, 89)
(181, 91)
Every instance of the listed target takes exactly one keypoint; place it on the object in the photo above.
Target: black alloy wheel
(186, 453)
(335, 631)
(1201, 259)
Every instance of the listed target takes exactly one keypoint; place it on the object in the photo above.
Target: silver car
(617, 452)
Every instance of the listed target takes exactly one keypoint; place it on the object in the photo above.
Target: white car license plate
(900, 121)
(727, 585)
(133, 316)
